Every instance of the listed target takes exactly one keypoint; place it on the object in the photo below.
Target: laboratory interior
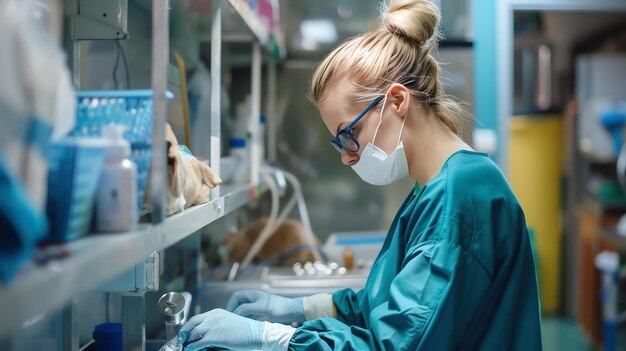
(167, 181)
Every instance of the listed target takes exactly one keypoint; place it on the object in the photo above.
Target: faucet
(175, 307)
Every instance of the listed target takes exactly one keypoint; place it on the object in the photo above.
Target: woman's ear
(400, 99)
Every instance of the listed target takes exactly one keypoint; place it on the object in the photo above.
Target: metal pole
(76, 67)
(255, 110)
(133, 322)
(72, 46)
(70, 327)
(272, 118)
(216, 90)
(160, 56)
(191, 261)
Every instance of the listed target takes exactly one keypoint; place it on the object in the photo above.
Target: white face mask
(378, 168)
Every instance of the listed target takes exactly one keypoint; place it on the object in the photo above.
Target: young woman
(456, 270)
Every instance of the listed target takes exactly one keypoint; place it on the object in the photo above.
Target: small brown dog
(287, 236)
(189, 179)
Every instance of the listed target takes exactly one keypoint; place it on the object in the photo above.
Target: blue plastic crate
(74, 171)
(132, 109)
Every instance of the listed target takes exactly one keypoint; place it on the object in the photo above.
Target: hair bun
(417, 20)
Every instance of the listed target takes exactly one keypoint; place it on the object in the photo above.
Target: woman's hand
(220, 328)
(267, 307)
(223, 329)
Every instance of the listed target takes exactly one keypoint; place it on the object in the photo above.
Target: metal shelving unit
(92, 263)
(96, 259)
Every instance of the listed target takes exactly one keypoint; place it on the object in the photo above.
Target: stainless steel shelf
(179, 226)
(96, 259)
(252, 21)
(241, 24)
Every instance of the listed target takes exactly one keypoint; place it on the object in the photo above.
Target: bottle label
(116, 202)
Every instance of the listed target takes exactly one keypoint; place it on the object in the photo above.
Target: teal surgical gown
(456, 272)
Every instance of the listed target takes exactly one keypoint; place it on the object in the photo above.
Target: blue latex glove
(267, 307)
(220, 328)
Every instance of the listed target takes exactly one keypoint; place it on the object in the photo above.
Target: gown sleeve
(430, 300)
(348, 307)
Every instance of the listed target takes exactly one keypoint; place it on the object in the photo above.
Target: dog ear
(206, 174)
(169, 135)
(175, 170)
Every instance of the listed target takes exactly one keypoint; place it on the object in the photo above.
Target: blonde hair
(400, 51)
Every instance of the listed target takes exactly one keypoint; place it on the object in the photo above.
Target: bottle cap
(118, 147)
(237, 143)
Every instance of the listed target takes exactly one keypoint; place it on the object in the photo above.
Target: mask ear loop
(401, 130)
(380, 120)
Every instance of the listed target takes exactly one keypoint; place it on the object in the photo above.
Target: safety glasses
(345, 139)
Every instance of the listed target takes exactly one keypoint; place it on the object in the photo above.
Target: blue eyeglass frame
(346, 133)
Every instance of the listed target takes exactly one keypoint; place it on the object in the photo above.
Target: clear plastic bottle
(262, 137)
(116, 201)
(239, 151)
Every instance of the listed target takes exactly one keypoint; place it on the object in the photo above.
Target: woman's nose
(349, 158)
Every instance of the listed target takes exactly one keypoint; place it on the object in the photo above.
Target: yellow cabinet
(535, 168)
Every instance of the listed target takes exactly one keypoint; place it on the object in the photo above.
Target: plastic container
(348, 257)
(255, 149)
(108, 337)
(240, 153)
(132, 109)
(262, 138)
(116, 209)
(242, 119)
(74, 171)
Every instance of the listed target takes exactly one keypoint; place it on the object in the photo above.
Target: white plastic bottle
(116, 201)
(242, 120)
(239, 152)
(255, 148)
(262, 138)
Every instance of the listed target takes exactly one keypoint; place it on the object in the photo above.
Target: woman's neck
(428, 144)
